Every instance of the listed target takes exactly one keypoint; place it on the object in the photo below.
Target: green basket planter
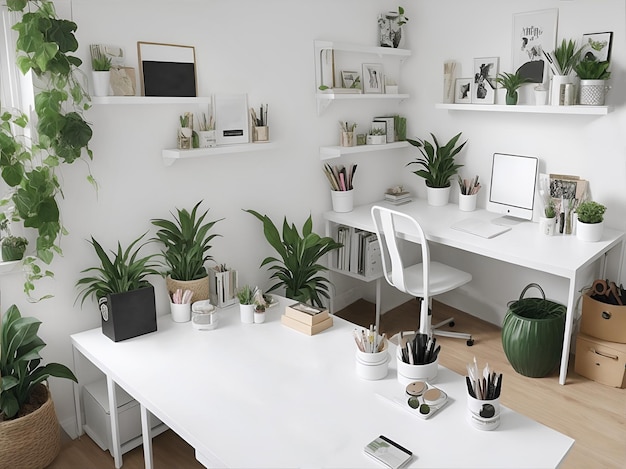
(532, 334)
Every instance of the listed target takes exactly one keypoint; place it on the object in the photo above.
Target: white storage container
(98, 418)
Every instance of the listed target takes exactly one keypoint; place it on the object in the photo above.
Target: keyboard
(482, 228)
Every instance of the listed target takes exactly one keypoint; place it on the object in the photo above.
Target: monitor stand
(507, 221)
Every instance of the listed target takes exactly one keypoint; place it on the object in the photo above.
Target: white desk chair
(423, 280)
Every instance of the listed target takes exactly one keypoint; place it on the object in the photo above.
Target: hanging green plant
(61, 135)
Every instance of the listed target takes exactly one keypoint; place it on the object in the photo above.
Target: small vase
(246, 313)
(259, 317)
(101, 82)
(511, 98)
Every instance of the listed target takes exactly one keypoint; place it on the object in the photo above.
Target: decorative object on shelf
(533, 33)
(541, 95)
(566, 192)
(449, 77)
(400, 126)
(28, 438)
(438, 166)
(463, 90)
(63, 134)
(297, 270)
(593, 75)
(206, 132)
(361, 139)
(119, 283)
(562, 62)
(245, 295)
(596, 46)
(167, 69)
(391, 87)
(260, 130)
(590, 224)
(468, 193)
(231, 118)
(484, 85)
(532, 334)
(101, 75)
(390, 127)
(185, 250)
(122, 81)
(511, 82)
(351, 80)
(185, 132)
(347, 134)
(377, 136)
(373, 78)
(390, 30)
(13, 248)
(547, 222)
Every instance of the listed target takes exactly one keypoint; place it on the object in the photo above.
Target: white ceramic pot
(555, 88)
(467, 202)
(408, 373)
(259, 317)
(343, 201)
(547, 225)
(376, 139)
(246, 313)
(101, 82)
(592, 92)
(590, 232)
(483, 415)
(438, 196)
(181, 312)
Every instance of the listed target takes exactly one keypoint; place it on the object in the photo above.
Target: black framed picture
(597, 46)
(167, 69)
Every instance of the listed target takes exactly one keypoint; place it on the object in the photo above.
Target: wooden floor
(591, 413)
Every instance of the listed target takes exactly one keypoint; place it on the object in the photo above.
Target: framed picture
(484, 84)
(597, 46)
(167, 69)
(533, 33)
(373, 78)
(463, 90)
(351, 79)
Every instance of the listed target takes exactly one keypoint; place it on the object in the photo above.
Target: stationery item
(388, 453)
(307, 314)
(305, 328)
(340, 177)
(422, 404)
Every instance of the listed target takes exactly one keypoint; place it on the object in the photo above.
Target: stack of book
(398, 198)
(307, 319)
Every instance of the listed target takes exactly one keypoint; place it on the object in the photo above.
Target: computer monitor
(512, 188)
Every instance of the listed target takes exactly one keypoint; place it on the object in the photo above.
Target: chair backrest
(385, 223)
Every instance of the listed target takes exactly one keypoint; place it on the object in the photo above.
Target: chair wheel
(470, 342)
(451, 324)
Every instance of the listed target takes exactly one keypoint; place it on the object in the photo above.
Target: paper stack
(398, 198)
(306, 319)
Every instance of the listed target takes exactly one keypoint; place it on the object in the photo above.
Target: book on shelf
(360, 253)
(390, 127)
(305, 328)
(307, 314)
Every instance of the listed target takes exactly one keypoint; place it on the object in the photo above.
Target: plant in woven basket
(20, 363)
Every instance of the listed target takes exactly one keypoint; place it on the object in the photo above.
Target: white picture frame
(351, 79)
(372, 78)
(484, 82)
(534, 32)
(463, 90)
(597, 46)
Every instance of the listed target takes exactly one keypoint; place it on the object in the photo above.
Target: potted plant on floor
(125, 296)
(438, 166)
(511, 82)
(590, 223)
(593, 75)
(186, 245)
(13, 248)
(297, 269)
(29, 430)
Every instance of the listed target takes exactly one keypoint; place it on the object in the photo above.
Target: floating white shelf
(327, 153)
(525, 108)
(9, 266)
(149, 100)
(171, 155)
(357, 48)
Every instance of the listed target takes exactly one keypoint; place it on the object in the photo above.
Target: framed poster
(484, 84)
(372, 78)
(533, 33)
(167, 69)
(351, 79)
(597, 46)
(463, 90)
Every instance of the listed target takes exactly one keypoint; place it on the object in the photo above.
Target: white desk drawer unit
(98, 420)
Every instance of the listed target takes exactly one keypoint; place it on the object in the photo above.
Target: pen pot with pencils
(417, 358)
(372, 356)
(483, 397)
(341, 188)
(468, 193)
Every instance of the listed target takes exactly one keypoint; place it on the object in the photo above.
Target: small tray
(424, 406)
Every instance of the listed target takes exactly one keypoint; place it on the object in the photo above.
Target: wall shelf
(9, 266)
(171, 155)
(327, 153)
(149, 100)
(523, 108)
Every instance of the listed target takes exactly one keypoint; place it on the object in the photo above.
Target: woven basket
(199, 288)
(32, 441)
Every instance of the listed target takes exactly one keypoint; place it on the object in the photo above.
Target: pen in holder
(260, 130)
(483, 397)
(261, 134)
(417, 358)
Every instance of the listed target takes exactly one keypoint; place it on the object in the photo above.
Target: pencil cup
(408, 373)
(261, 134)
(343, 201)
(181, 312)
(206, 138)
(483, 415)
(467, 203)
(347, 139)
(372, 366)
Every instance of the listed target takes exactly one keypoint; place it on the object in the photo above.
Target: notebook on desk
(482, 228)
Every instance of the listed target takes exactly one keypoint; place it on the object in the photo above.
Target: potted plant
(590, 223)
(185, 250)
(566, 55)
(124, 295)
(245, 295)
(25, 402)
(260, 305)
(511, 82)
(101, 74)
(593, 75)
(297, 269)
(376, 137)
(547, 223)
(13, 248)
(438, 166)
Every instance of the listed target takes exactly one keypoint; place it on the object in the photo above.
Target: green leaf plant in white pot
(438, 166)
(245, 295)
(590, 223)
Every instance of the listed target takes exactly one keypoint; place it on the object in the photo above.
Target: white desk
(524, 245)
(264, 395)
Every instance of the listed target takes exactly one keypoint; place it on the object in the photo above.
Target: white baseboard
(69, 427)
(347, 298)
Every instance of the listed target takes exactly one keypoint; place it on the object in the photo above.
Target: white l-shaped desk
(524, 245)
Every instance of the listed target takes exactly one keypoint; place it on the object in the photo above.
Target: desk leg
(115, 429)
(77, 394)
(147, 436)
(378, 295)
(567, 336)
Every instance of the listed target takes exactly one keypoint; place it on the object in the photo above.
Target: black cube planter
(127, 315)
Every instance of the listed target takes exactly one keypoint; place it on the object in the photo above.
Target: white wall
(265, 49)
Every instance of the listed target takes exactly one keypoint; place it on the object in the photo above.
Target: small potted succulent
(590, 223)
(101, 75)
(245, 295)
(511, 82)
(376, 137)
(547, 223)
(13, 248)
(260, 305)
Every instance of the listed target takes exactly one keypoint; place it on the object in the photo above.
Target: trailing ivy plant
(60, 135)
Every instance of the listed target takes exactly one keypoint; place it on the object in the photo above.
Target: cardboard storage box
(98, 419)
(601, 361)
(602, 320)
